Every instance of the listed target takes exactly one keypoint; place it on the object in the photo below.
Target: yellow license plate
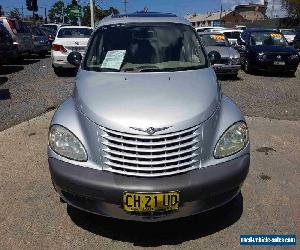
(150, 202)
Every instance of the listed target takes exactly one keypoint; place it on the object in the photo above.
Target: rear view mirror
(74, 58)
(214, 57)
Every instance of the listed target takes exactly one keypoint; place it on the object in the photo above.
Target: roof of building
(207, 17)
(143, 17)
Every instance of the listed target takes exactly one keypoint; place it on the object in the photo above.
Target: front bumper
(223, 69)
(101, 192)
(270, 67)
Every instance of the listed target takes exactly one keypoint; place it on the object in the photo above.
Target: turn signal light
(58, 47)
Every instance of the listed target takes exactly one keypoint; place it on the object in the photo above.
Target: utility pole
(92, 13)
(22, 13)
(273, 9)
(46, 19)
(125, 5)
(63, 14)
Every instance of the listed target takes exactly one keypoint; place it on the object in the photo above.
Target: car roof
(210, 33)
(261, 30)
(230, 30)
(75, 27)
(143, 17)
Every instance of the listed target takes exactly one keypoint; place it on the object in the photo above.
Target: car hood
(273, 49)
(119, 101)
(225, 52)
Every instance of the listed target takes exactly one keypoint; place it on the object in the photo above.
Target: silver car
(230, 63)
(148, 134)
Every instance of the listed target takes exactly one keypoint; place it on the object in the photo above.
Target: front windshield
(215, 40)
(144, 47)
(74, 33)
(288, 32)
(269, 38)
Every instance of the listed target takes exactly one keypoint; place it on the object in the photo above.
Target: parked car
(68, 39)
(297, 40)
(263, 49)
(40, 41)
(208, 28)
(229, 64)
(289, 35)
(50, 33)
(232, 35)
(240, 27)
(7, 49)
(147, 134)
(54, 26)
(20, 34)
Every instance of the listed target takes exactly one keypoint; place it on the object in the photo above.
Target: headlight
(235, 60)
(294, 57)
(65, 143)
(232, 141)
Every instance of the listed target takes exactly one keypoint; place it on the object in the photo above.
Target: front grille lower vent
(151, 156)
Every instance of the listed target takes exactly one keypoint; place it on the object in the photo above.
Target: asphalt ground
(32, 217)
(29, 88)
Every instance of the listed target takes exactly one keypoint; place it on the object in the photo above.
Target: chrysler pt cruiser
(147, 134)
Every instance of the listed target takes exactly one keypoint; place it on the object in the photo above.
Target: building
(208, 19)
(245, 13)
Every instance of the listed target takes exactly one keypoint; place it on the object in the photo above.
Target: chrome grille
(150, 156)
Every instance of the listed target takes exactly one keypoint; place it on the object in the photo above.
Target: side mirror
(240, 41)
(214, 57)
(74, 58)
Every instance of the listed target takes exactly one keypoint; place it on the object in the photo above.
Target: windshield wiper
(106, 70)
(182, 68)
(144, 68)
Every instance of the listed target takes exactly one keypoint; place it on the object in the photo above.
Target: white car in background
(289, 35)
(232, 35)
(68, 39)
(208, 28)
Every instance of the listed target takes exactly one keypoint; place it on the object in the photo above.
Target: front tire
(57, 71)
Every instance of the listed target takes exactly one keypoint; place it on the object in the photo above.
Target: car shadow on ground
(3, 79)
(10, 69)
(68, 73)
(160, 233)
(229, 78)
(23, 61)
(4, 94)
(272, 74)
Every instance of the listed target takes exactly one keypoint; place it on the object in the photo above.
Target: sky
(179, 7)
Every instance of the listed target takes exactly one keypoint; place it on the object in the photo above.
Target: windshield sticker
(275, 35)
(113, 59)
(218, 37)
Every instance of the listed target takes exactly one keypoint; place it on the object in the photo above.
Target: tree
(292, 8)
(15, 13)
(99, 14)
(57, 12)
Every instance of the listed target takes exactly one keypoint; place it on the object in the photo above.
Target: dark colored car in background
(50, 33)
(263, 49)
(297, 40)
(41, 45)
(7, 49)
(20, 34)
(229, 64)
